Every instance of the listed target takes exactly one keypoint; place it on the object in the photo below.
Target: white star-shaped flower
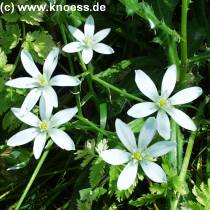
(162, 103)
(44, 128)
(137, 154)
(88, 42)
(41, 83)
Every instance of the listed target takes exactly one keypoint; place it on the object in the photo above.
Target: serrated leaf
(96, 172)
(10, 37)
(39, 44)
(144, 200)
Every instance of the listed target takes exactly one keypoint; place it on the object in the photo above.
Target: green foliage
(96, 172)
(9, 37)
(39, 44)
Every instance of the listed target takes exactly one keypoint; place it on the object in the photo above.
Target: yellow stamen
(43, 125)
(162, 102)
(137, 156)
(42, 80)
(88, 41)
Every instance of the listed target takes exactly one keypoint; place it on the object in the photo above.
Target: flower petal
(22, 137)
(22, 82)
(103, 48)
(29, 64)
(89, 27)
(30, 101)
(160, 148)
(29, 118)
(100, 35)
(125, 135)
(44, 110)
(50, 97)
(72, 47)
(77, 34)
(146, 85)
(153, 171)
(39, 144)
(115, 156)
(169, 81)
(87, 55)
(147, 133)
(185, 96)
(62, 139)
(142, 109)
(163, 125)
(127, 176)
(182, 119)
(63, 116)
(64, 80)
(51, 62)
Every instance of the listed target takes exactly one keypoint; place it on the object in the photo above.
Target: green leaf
(33, 17)
(10, 37)
(202, 194)
(39, 44)
(146, 199)
(96, 172)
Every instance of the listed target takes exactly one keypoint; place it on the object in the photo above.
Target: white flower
(88, 41)
(137, 154)
(41, 83)
(162, 103)
(43, 129)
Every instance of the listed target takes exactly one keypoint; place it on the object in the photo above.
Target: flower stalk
(34, 175)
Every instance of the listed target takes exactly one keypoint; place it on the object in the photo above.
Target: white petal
(45, 111)
(64, 80)
(87, 55)
(125, 135)
(72, 47)
(146, 85)
(29, 64)
(103, 48)
(77, 34)
(169, 81)
(50, 97)
(89, 27)
(30, 101)
(160, 148)
(163, 125)
(22, 82)
(182, 119)
(153, 171)
(22, 137)
(63, 116)
(51, 62)
(185, 96)
(39, 144)
(29, 118)
(142, 109)
(115, 156)
(62, 139)
(147, 133)
(127, 176)
(100, 35)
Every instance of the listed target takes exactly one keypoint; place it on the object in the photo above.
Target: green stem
(184, 57)
(116, 89)
(78, 102)
(87, 122)
(35, 173)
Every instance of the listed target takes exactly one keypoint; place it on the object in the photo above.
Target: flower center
(88, 42)
(42, 80)
(43, 125)
(137, 156)
(163, 102)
